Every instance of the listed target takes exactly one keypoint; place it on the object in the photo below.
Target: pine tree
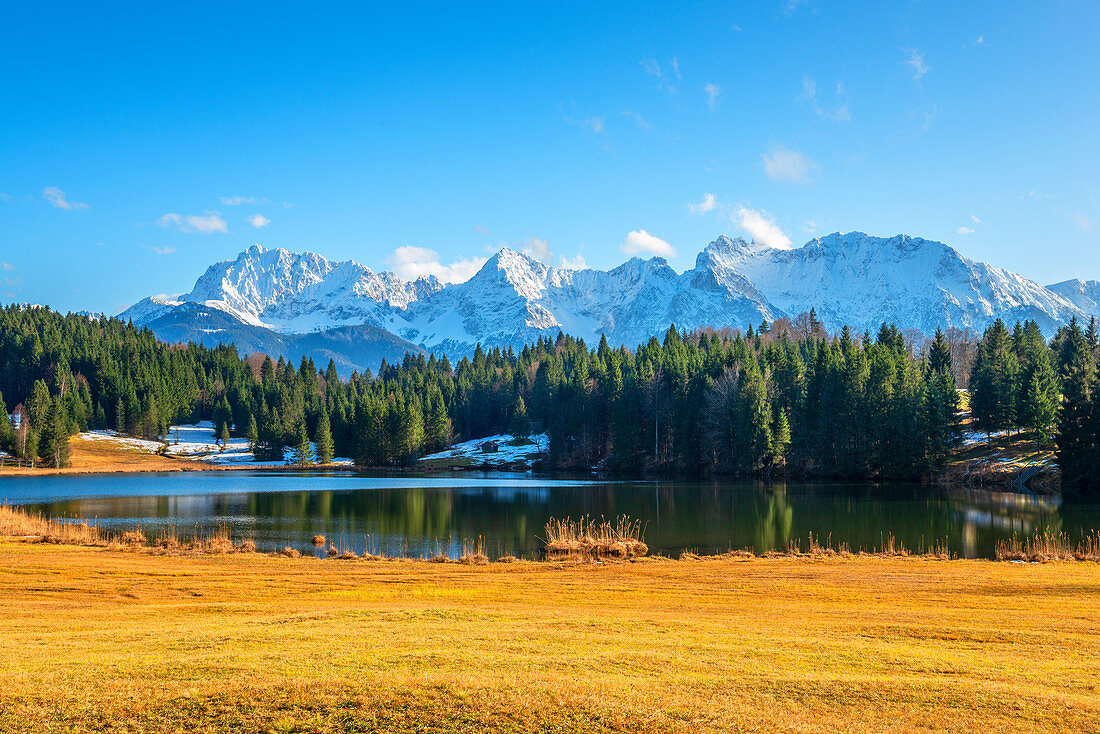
(222, 434)
(323, 439)
(1077, 432)
(54, 446)
(520, 424)
(269, 443)
(303, 452)
(7, 433)
(994, 382)
(781, 437)
(1040, 406)
(252, 433)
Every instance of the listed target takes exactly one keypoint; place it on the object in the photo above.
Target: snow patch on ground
(195, 442)
(527, 450)
(972, 438)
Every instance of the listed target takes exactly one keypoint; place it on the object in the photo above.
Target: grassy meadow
(106, 641)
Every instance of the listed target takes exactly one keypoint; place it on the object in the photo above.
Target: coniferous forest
(784, 398)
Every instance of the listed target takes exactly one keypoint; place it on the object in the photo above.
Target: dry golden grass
(122, 642)
(88, 456)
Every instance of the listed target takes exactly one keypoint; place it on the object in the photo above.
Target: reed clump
(16, 523)
(1049, 546)
(318, 541)
(290, 552)
(473, 552)
(589, 538)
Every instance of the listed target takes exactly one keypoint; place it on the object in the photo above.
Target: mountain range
(282, 302)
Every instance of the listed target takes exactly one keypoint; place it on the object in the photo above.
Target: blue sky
(139, 143)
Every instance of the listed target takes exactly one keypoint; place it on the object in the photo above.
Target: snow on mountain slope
(515, 299)
(850, 279)
(861, 281)
(1085, 294)
(294, 292)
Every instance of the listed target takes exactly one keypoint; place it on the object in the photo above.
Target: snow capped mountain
(850, 279)
(860, 281)
(514, 299)
(294, 292)
(1085, 294)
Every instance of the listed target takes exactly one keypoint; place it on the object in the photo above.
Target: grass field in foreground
(92, 640)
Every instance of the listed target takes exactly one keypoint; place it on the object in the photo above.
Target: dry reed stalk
(290, 552)
(1049, 546)
(473, 553)
(15, 522)
(588, 538)
(318, 540)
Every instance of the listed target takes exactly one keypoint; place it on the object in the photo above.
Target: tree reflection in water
(420, 515)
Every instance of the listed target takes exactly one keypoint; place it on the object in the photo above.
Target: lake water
(417, 515)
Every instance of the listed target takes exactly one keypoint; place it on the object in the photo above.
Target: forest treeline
(785, 397)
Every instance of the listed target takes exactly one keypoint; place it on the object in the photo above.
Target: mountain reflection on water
(416, 516)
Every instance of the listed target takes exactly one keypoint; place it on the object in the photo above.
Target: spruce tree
(303, 452)
(222, 434)
(7, 433)
(520, 424)
(323, 439)
(994, 382)
(252, 433)
(1077, 433)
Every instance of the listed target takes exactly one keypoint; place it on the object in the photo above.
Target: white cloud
(809, 96)
(964, 230)
(979, 41)
(712, 91)
(976, 220)
(810, 226)
(596, 123)
(653, 69)
(916, 61)
(258, 220)
(160, 250)
(762, 228)
(637, 118)
(411, 263)
(238, 200)
(1083, 223)
(57, 197)
(6, 266)
(574, 263)
(788, 166)
(5, 197)
(206, 223)
(640, 241)
(708, 204)
(538, 249)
